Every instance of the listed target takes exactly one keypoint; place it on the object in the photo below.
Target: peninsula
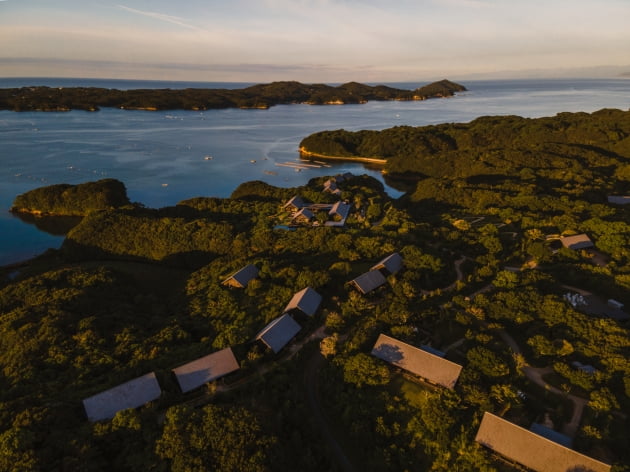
(478, 318)
(489, 147)
(261, 96)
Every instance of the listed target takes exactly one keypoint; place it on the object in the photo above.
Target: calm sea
(161, 155)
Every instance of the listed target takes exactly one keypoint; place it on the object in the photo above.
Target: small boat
(253, 161)
(208, 158)
(164, 185)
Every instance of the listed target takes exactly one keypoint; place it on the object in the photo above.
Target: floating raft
(302, 165)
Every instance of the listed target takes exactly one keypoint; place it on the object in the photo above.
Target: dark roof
(369, 281)
(552, 435)
(392, 263)
(340, 208)
(579, 241)
(206, 369)
(532, 450)
(243, 276)
(306, 300)
(279, 332)
(432, 350)
(344, 176)
(619, 199)
(304, 213)
(295, 201)
(331, 186)
(132, 394)
(417, 361)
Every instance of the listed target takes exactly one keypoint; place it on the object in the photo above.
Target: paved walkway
(460, 276)
(535, 374)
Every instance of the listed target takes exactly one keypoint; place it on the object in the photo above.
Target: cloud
(160, 16)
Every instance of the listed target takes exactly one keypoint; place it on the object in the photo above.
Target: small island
(72, 200)
(261, 96)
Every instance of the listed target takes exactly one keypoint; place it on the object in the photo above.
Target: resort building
(242, 277)
(206, 369)
(579, 241)
(304, 215)
(295, 203)
(279, 332)
(132, 394)
(331, 186)
(430, 367)
(532, 450)
(306, 301)
(391, 264)
(369, 281)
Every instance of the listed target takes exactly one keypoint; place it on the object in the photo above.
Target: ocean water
(161, 155)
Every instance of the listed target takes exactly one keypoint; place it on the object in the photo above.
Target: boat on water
(208, 158)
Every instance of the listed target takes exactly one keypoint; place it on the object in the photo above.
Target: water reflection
(53, 225)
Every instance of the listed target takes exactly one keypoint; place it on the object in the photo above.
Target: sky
(310, 41)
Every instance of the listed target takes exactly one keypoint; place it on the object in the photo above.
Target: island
(478, 318)
(72, 200)
(261, 96)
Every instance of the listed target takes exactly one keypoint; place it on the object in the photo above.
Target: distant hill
(259, 96)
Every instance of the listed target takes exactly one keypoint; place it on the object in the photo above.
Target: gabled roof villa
(369, 281)
(392, 264)
(579, 241)
(279, 332)
(206, 369)
(331, 186)
(339, 211)
(242, 277)
(132, 394)
(375, 277)
(532, 450)
(419, 362)
(307, 301)
(294, 203)
(304, 215)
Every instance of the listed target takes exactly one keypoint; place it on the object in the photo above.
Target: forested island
(511, 267)
(72, 200)
(259, 96)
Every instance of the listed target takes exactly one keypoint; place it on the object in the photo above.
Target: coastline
(369, 160)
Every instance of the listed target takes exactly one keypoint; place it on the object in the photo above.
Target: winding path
(535, 374)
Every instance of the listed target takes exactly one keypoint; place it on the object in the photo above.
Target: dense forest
(550, 148)
(72, 200)
(257, 96)
(486, 280)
